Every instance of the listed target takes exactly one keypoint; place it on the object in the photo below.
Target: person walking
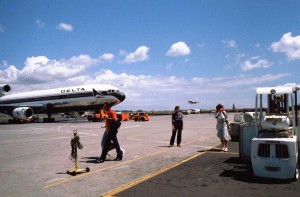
(222, 126)
(112, 124)
(177, 126)
(111, 144)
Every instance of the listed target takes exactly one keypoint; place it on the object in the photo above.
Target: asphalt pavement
(34, 159)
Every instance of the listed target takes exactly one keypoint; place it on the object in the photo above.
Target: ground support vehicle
(141, 117)
(123, 116)
(274, 152)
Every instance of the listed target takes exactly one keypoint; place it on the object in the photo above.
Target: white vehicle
(22, 106)
(274, 152)
(195, 111)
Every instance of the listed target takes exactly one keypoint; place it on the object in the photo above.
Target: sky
(159, 53)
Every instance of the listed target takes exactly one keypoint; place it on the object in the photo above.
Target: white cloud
(169, 66)
(40, 69)
(107, 57)
(65, 27)
(257, 45)
(142, 91)
(140, 54)
(289, 45)
(1, 28)
(254, 63)
(4, 64)
(178, 49)
(200, 45)
(40, 23)
(217, 83)
(230, 43)
(238, 57)
(9, 75)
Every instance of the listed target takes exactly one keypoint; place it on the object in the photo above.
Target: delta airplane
(22, 106)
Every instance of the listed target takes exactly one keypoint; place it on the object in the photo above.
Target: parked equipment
(274, 152)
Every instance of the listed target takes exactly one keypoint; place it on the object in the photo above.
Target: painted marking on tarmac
(222, 152)
(130, 138)
(60, 127)
(206, 147)
(43, 139)
(103, 169)
(207, 169)
(131, 127)
(83, 133)
(55, 180)
(164, 142)
(117, 165)
(147, 177)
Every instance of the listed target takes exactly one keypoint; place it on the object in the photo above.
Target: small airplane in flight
(77, 99)
(193, 101)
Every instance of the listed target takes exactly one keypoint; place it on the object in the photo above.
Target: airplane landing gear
(49, 119)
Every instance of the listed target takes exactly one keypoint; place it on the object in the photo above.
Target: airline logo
(72, 90)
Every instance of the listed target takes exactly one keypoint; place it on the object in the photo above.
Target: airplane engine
(23, 113)
(4, 88)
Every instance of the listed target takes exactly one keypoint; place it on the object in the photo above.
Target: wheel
(87, 169)
(296, 176)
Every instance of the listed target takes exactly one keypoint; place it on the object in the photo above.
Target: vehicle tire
(296, 175)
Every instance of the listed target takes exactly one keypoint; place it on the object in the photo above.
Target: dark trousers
(178, 130)
(112, 136)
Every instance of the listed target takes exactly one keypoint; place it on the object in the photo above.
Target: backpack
(114, 126)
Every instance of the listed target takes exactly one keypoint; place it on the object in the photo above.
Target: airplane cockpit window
(112, 91)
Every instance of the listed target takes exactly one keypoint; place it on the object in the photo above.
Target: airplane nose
(120, 95)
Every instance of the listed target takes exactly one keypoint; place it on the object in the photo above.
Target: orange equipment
(141, 117)
(123, 116)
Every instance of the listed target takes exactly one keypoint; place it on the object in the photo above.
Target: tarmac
(34, 159)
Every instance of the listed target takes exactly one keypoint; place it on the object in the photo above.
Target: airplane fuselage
(60, 100)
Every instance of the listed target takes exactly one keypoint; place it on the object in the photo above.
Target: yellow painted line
(113, 166)
(103, 169)
(222, 152)
(146, 177)
(149, 176)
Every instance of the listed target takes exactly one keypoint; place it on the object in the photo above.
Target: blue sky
(160, 53)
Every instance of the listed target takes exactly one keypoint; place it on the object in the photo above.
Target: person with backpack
(112, 125)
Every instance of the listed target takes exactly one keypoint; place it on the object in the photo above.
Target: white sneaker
(123, 152)
(226, 150)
